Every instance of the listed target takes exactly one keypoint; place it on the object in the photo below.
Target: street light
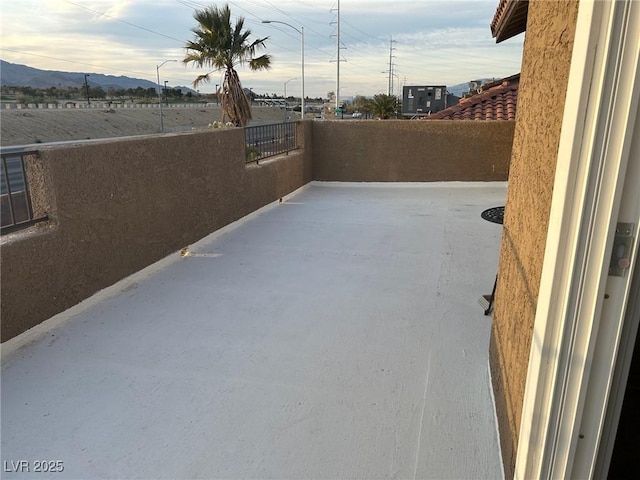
(301, 32)
(285, 88)
(160, 93)
(285, 96)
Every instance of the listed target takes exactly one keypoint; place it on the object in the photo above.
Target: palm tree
(383, 105)
(219, 46)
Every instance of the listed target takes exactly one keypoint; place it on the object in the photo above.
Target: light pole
(285, 96)
(160, 93)
(301, 32)
(285, 88)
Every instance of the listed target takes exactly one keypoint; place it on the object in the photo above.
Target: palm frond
(201, 79)
(219, 45)
(260, 63)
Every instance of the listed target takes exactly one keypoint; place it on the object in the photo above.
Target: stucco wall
(118, 206)
(543, 85)
(411, 151)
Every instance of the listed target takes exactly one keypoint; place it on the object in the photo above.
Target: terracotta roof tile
(498, 16)
(510, 19)
(497, 102)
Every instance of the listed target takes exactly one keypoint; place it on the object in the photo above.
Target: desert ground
(29, 126)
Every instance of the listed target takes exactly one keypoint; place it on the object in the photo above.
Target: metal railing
(16, 210)
(264, 141)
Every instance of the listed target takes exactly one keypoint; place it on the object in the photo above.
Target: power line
(307, 28)
(364, 33)
(125, 22)
(195, 5)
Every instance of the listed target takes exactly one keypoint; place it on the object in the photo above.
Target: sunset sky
(435, 42)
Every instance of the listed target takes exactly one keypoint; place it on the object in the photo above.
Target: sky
(430, 42)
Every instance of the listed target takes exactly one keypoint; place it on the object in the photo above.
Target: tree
(97, 92)
(383, 105)
(219, 46)
(360, 102)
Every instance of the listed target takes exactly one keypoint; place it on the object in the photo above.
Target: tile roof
(497, 101)
(510, 19)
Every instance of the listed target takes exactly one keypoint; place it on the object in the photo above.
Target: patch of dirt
(20, 127)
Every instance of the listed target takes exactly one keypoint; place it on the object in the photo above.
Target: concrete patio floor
(335, 335)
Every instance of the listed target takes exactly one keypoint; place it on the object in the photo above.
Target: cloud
(435, 41)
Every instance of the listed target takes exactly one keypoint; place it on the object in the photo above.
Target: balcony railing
(264, 141)
(15, 198)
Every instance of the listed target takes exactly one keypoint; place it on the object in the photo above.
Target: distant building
(425, 100)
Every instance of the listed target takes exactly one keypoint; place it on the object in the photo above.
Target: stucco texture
(117, 206)
(411, 151)
(543, 86)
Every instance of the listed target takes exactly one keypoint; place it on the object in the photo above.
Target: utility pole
(338, 48)
(166, 98)
(391, 49)
(86, 87)
(338, 62)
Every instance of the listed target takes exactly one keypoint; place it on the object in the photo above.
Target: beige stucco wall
(411, 151)
(118, 206)
(543, 85)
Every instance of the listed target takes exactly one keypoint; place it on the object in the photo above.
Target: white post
(160, 94)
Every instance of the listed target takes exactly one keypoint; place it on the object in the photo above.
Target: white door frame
(563, 414)
(623, 363)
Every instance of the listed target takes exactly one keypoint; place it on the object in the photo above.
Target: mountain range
(16, 75)
(461, 88)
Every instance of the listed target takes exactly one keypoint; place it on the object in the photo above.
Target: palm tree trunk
(235, 104)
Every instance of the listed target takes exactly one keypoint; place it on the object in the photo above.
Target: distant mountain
(184, 89)
(15, 75)
(461, 88)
